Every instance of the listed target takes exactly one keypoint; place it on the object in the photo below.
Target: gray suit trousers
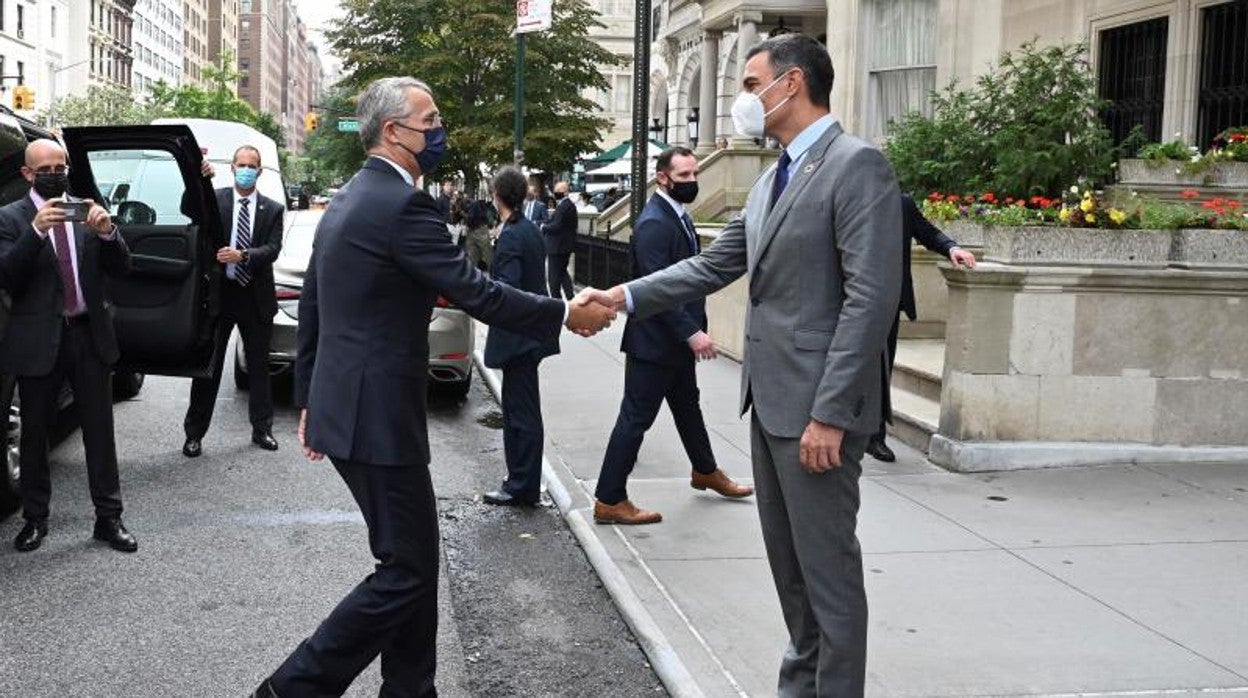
(809, 528)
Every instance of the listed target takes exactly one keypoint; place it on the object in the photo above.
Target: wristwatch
(246, 256)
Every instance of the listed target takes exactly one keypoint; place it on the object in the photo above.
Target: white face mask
(747, 112)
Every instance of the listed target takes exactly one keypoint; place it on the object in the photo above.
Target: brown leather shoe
(625, 513)
(719, 481)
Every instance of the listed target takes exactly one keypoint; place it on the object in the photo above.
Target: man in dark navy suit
(560, 235)
(248, 301)
(61, 330)
(383, 254)
(518, 258)
(535, 208)
(915, 227)
(662, 353)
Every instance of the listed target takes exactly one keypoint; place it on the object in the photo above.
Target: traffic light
(23, 98)
(310, 121)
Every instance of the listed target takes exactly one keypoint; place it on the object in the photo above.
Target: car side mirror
(135, 213)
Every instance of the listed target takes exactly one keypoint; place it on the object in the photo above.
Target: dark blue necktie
(782, 177)
(689, 228)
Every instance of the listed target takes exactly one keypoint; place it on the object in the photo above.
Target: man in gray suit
(820, 237)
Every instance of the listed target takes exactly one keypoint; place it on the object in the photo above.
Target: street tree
(331, 156)
(102, 105)
(465, 51)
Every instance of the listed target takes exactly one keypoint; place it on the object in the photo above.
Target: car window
(146, 184)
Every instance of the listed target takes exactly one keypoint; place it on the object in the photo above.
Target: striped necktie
(242, 240)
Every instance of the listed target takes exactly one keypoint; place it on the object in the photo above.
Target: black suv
(166, 308)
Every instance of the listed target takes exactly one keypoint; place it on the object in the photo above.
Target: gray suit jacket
(825, 276)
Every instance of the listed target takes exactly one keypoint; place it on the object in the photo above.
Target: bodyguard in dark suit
(61, 329)
(535, 208)
(518, 258)
(382, 255)
(248, 301)
(662, 352)
(560, 235)
(915, 227)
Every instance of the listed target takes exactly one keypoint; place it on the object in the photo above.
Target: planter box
(1059, 246)
(966, 233)
(1231, 175)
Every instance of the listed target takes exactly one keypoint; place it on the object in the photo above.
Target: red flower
(988, 197)
(935, 196)
(1189, 194)
(953, 198)
(1233, 205)
(1009, 200)
(1238, 137)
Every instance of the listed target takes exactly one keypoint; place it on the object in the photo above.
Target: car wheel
(11, 481)
(127, 385)
(240, 374)
(460, 390)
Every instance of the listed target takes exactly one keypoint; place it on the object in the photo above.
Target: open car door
(166, 309)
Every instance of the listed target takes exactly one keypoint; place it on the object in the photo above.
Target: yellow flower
(1117, 216)
(1090, 217)
(1087, 205)
(1064, 216)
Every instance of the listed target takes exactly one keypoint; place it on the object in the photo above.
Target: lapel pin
(810, 167)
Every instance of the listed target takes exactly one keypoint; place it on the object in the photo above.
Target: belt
(74, 320)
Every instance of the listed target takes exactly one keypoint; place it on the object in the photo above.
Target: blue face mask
(245, 177)
(435, 147)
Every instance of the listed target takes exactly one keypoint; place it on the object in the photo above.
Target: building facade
(157, 44)
(261, 52)
(296, 83)
(194, 41)
(1170, 66)
(223, 32)
(99, 45)
(616, 36)
(33, 42)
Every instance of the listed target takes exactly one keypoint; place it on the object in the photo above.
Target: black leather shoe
(880, 451)
(192, 448)
(264, 440)
(31, 536)
(503, 498)
(113, 532)
(265, 691)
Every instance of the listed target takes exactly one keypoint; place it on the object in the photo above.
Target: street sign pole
(641, 109)
(518, 151)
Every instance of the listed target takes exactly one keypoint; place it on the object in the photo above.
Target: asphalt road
(243, 552)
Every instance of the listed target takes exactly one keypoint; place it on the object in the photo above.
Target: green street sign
(349, 125)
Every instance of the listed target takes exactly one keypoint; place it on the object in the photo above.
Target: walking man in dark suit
(662, 352)
(61, 329)
(248, 301)
(383, 255)
(820, 237)
(915, 227)
(535, 208)
(518, 258)
(560, 235)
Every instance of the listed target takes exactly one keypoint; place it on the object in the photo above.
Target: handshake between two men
(593, 311)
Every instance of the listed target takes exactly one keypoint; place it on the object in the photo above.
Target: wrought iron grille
(1132, 77)
(601, 262)
(1223, 96)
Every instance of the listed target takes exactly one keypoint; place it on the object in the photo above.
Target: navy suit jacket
(540, 213)
(519, 262)
(916, 227)
(659, 241)
(381, 257)
(266, 245)
(561, 230)
(29, 272)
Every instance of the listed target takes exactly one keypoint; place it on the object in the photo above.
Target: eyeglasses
(56, 169)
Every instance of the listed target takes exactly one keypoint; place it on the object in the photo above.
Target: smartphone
(75, 211)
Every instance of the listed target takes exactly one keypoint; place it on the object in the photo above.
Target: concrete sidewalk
(1105, 581)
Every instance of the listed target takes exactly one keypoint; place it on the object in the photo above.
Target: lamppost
(693, 126)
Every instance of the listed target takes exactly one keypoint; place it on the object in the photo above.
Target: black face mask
(684, 192)
(559, 195)
(50, 185)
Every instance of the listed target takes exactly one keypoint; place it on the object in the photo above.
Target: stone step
(919, 366)
(916, 380)
(915, 419)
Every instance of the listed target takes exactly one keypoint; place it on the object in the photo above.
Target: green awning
(609, 156)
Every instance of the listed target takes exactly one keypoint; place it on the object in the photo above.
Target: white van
(222, 138)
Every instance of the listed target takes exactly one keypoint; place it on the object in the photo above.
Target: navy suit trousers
(523, 433)
(646, 385)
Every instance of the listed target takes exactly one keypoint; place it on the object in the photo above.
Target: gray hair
(384, 100)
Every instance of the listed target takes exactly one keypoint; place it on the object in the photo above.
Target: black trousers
(886, 402)
(238, 307)
(557, 276)
(646, 385)
(91, 380)
(394, 611)
(523, 433)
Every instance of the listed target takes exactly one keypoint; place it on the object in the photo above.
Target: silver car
(451, 339)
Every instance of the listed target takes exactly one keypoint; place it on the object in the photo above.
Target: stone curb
(662, 656)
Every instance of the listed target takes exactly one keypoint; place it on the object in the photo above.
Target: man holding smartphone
(61, 329)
